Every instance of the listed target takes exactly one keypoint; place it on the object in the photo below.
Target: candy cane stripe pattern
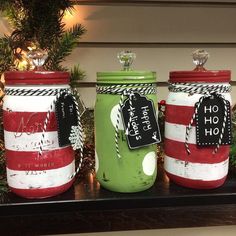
(185, 162)
(25, 109)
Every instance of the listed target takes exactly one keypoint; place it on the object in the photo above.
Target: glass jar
(186, 163)
(26, 105)
(119, 168)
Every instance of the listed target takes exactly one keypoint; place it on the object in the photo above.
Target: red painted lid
(207, 76)
(36, 77)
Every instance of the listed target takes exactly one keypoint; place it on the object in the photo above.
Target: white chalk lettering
(211, 109)
(63, 110)
(208, 132)
(211, 120)
(145, 119)
(211, 131)
(134, 131)
(216, 131)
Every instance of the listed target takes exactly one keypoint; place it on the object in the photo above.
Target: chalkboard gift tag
(210, 118)
(66, 118)
(140, 122)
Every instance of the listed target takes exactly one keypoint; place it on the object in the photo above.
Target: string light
(68, 14)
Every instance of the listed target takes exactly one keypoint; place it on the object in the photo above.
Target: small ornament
(200, 57)
(126, 58)
(75, 137)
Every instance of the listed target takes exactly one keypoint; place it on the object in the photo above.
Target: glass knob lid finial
(200, 57)
(126, 58)
(38, 58)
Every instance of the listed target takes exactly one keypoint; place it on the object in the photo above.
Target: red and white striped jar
(29, 174)
(201, 168)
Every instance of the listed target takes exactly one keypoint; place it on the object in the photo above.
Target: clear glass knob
(200, 57)
(126, 58)
(38, 57)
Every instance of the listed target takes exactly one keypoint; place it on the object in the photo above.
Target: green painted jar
(125, 169)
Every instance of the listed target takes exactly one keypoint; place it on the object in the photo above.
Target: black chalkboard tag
(209, 122)
(66, 117)
(143, 128)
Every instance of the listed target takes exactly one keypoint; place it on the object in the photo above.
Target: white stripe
(177, 133)
(30, 142)
(183, 99)
(28, 103)
(40, 179)
(196, 171)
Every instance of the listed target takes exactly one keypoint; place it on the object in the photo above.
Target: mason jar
(118, 167)
(37, 167)
(188, 161)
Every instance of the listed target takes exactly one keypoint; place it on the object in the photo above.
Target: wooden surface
(116, 220)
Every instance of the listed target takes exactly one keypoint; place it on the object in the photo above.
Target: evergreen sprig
(6, 55)
(75, 74)
(37, 20)
(64, 47)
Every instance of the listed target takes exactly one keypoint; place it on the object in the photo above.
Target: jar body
(136, 169)
(29, 174)
(200, 169)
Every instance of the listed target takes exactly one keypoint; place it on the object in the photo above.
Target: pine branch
(5, 4)
(14, 11)
(6, 55)
(64, 47)
(37, 20)
(75, 75)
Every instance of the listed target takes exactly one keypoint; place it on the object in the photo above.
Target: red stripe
(32, 161)
(198, 154)
(30, 122)
(42, 193)
(179, 114)
(197, 184)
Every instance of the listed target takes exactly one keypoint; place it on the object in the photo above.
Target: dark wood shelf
(155, 44)
(157, 3)
(87, 208)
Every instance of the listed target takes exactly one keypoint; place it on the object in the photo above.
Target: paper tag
(66, 118)
(143, 126)
(209, 122)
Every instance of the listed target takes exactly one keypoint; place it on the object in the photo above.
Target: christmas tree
(36, 24)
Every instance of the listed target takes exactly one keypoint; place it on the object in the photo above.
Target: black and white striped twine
(57, 93)
(207, 90)
(125, 90)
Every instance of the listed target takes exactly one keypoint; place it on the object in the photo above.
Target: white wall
(194, 27)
